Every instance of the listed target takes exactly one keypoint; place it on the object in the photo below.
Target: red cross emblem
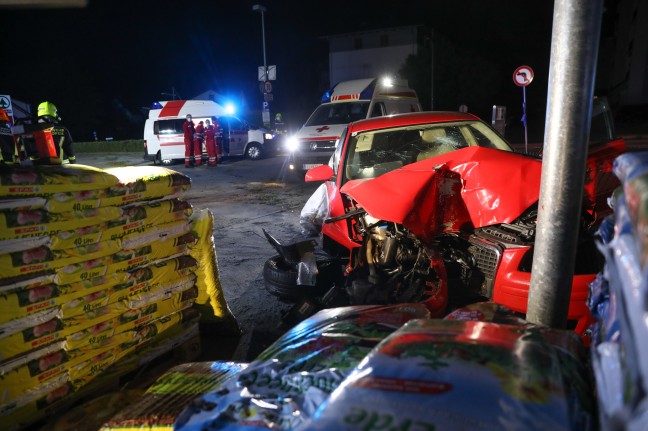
(321, 129)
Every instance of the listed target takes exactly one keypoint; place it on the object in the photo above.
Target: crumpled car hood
(474, 185)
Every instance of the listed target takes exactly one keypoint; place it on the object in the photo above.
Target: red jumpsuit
(210, 143)
(188, 130)
(198, 142)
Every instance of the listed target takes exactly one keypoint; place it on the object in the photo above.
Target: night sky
(101, 64)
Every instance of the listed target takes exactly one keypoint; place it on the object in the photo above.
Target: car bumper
(511, 289)
(306, 161)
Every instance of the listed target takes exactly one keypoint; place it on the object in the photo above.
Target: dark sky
(119, 56)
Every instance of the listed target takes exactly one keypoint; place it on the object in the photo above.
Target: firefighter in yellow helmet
(7, 145)
(48, 121)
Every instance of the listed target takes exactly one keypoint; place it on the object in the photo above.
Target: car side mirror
(320, 173)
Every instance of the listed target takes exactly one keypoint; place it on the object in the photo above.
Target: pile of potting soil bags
(619, 301)
(99, 272)
(393, 368)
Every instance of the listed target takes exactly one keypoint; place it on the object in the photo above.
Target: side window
(167, 127)
(378, 110)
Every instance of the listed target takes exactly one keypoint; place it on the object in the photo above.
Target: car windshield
(338, 113)
(373, 153)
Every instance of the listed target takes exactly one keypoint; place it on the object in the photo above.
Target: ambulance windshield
(338, 113)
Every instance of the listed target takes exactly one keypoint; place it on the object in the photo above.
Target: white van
(164, 139)
(346, 102)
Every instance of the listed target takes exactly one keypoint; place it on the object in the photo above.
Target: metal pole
(574, 49)
(524, 114)
(265, 64)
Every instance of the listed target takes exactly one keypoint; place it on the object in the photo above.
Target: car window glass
(378, 110)
(335, 159)
(168, 127)
(376, 152)
(487, 137)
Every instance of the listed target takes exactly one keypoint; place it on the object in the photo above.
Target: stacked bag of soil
(619, 301)
(100, 271)
(391, 367)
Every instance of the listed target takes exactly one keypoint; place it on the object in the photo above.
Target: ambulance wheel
(253, 152)
(158, 158)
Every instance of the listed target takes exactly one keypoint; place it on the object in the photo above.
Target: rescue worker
(189, 130)
(210, 143)
(48, 120)
(199, 137)
(280, 127)
(7, 145)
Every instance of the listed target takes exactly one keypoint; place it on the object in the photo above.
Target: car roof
(413, 118)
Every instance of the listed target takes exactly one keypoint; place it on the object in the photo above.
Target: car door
(238, 136)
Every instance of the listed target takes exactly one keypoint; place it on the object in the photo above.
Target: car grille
(487, 257)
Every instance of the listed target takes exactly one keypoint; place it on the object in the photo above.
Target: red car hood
(474, 185)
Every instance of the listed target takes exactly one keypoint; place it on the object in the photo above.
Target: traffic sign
(267, 87)
(271, 73)
(523, 76)
(268, 97)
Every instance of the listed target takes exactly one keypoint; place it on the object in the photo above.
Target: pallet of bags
(284, 385)
(94, 265)
(100, 372)
(463, 374)
(619, 301)
(74, 345)
(158, 408)
(66, 188)
(23, 299)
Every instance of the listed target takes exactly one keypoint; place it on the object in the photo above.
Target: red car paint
(465, 189)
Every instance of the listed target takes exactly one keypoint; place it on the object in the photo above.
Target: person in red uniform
(7, 145)
(189, 130)
(210, 143)
(199, 136)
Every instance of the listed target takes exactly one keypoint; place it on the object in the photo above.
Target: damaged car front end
(438, 208)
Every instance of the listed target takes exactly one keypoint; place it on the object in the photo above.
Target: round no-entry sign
(267, 87)
(523, 76)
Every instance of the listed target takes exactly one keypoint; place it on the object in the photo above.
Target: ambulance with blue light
(164, 138)
(344, 103)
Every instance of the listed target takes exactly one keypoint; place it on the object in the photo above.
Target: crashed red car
(436, 206)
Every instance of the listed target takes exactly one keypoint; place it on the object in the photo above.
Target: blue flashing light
(230, 109)
(326, 97)
(156, 105)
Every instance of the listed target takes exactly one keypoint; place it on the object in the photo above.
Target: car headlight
(292, 144)
(268, 136)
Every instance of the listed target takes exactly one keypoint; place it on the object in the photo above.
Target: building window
(357, 43)
(384, 40)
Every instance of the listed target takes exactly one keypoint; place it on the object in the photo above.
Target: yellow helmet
(47, 109)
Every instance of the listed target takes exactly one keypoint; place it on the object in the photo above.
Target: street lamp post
(265, 112)
(262, 10)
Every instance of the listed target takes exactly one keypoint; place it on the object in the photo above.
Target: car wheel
(158, 158)
(281, 279)
(253, 152)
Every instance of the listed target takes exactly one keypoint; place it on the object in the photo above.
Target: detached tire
(281, 279)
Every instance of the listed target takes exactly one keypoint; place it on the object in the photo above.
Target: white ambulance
(164, 139)
(346, 102)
